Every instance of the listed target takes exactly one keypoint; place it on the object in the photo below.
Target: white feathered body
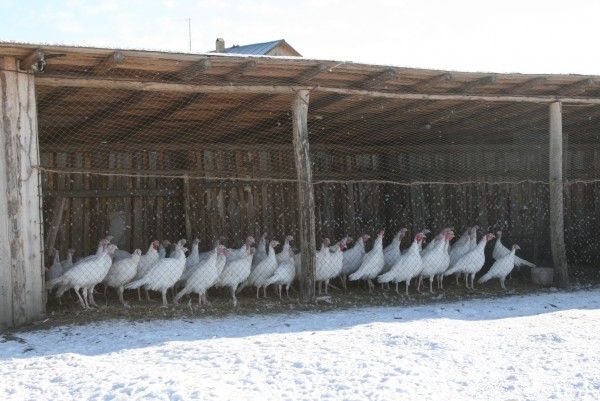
(163, 275)
(408, 266)
(500, 269)
(122, 271)
(372, 263)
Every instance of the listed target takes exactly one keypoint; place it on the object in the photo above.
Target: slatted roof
(148, 96)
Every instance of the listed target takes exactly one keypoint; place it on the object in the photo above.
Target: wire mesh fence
(198, 192)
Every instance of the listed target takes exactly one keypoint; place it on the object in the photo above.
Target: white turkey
(440, 237)
(424, 232)
(407, 267)
(205, 276)
(284, 274)
(322, 260)
(501, 267)
(501, 251)
(262, 271)
(194, 256)
(192, 261)
(238, 253)
(84, 274)
(163, 275)
(462, 246)
(236, 272)
(176, 248)
(121, 254)
(391, 253)
(122, 272)
(353, 258)
(285, 251)
(56, 269)
(261, 250)
(68, 262)
(471, 262)
(372, 263)
(163, 247)
(102, 245)
(332, 266)
(436, 260)
(147, 261)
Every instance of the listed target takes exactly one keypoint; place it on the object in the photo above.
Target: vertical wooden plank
(267, 220)
(87, 206)
(306, 200)
(23, 299)
(557, 241)
(76, 224)
(138, 240)
(187, 208)
(417, 201)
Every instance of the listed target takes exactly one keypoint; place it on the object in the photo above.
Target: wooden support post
(22, 293)
(57, 216)
(306, 196)
(557, 241)
(188, 210)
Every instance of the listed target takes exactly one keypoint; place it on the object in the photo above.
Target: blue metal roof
(256, 48)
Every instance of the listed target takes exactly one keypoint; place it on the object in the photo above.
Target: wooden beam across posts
(22, 295)
(171, 87)
(306, 196)
(557, 237)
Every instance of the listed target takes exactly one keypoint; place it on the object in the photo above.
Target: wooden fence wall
(356, 190)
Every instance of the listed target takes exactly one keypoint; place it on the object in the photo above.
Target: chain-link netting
(198, 191)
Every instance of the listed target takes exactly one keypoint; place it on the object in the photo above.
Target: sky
(524, 36)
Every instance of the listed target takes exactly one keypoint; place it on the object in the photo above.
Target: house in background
(274, 48)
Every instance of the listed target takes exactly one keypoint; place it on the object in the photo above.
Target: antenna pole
(190, 32)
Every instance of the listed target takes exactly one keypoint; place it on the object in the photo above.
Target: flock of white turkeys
(261, 267)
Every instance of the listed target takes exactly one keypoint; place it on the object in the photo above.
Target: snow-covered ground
(537, 347)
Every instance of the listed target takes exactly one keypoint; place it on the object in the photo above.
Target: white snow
(535, 347)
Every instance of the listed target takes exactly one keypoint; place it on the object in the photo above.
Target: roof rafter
(310, 73)
(240, 70)
(176, 106)
(431, 82)
(378, 78)
(471, 85)
(577, 88)
(108, 63)
(191, 71)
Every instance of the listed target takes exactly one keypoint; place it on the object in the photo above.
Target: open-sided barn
(144, 145)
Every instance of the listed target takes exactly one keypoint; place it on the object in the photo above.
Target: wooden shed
(146, 145)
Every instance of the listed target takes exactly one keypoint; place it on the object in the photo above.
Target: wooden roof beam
(577, 88)
(171, 87)
(176, 106)
(255, 101)
(33, 61)
(431, 82)
(240, 70)
(378, 78)
(525, 86)
(193, 70)
(310, 73)
(108, 63)
(471, 85)
(54, 97)
(97, 117)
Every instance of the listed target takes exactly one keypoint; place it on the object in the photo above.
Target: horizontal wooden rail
(97, 83)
